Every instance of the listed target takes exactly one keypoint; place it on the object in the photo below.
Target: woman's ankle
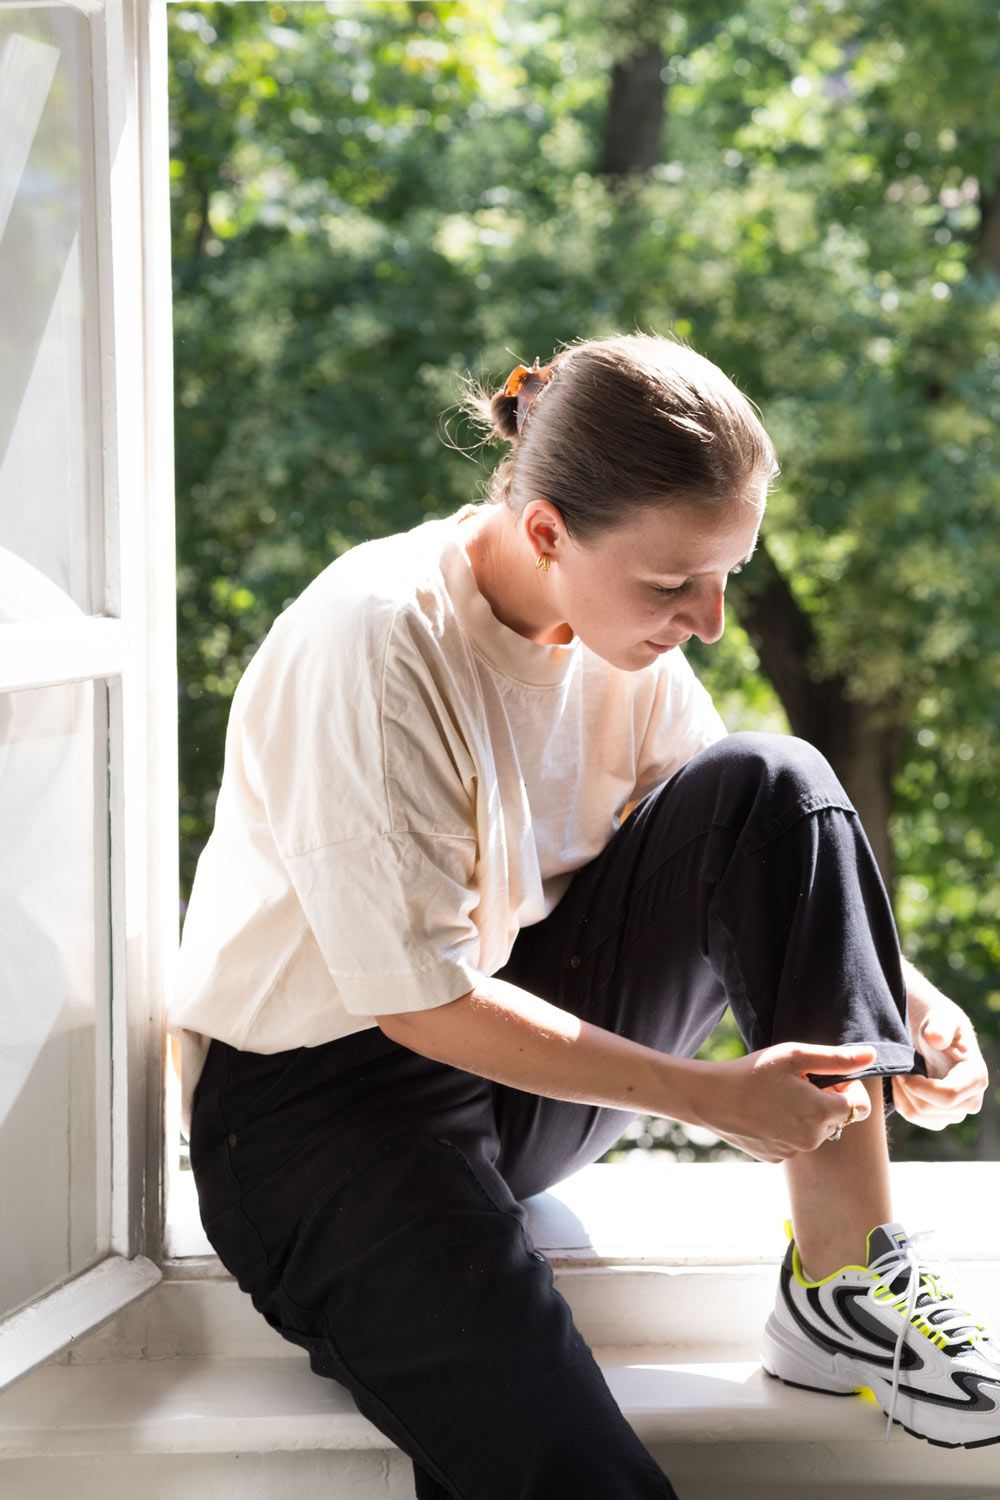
(819, 1267)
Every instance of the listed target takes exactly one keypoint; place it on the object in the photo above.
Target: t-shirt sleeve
(683, 720)
(362, 769)
(392, 917)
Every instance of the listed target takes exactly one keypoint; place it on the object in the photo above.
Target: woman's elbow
(405, 1026)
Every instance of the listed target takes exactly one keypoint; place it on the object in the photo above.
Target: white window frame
(131, 645)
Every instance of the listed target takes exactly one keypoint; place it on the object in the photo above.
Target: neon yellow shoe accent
(851, 1266)
(804, 1280)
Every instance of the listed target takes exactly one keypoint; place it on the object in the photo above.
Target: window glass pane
(54, 987)
(48, 452)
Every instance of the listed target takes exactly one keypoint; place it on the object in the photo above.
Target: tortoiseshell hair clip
(526, 382)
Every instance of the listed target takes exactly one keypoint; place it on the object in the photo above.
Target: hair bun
(503, 410)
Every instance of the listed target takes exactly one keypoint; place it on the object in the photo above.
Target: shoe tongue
(892, 1237)
(886, 1237)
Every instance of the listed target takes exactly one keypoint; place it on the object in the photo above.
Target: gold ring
(836, 1134)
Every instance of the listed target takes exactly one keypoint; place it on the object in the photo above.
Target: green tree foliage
(369, 200)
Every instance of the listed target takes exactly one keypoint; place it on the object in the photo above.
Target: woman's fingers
(918, 1114)
(928, 1103)
(962, 1084)
(942, 1031)
(816, 1057)
(947, 1039)
(925, 1109)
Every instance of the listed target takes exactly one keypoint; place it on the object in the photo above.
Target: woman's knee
(757, 754)
(780, 770)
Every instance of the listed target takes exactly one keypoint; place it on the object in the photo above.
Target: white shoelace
(939, 1272)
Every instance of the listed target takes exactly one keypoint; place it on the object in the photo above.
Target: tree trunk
(861, 743)
(633, 131)
(864, 754)
(862, 747)
(987, 255)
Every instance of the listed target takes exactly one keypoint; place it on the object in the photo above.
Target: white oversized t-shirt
(407, 783)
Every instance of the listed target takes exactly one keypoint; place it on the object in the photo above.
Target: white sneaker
(892, 1326)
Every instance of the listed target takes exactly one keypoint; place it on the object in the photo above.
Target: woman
(486, 871)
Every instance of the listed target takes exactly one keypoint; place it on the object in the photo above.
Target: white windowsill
(670, 1270)
(646, 1251)
(651, 1210)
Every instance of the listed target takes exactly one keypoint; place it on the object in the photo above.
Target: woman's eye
(658, 588)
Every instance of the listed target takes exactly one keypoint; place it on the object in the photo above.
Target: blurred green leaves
(369, 200)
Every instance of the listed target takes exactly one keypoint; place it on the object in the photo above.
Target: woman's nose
(707, 617)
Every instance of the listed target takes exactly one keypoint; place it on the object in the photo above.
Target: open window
(88, 681)
(88, 868)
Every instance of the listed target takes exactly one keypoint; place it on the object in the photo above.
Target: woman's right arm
(762, 1102)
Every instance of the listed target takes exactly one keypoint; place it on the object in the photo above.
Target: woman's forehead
(692, 541)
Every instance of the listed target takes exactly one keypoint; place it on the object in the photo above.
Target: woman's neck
(515, 589)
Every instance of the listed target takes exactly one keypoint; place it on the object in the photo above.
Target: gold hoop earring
(544, 562)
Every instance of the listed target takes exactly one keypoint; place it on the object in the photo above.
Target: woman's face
(659, 578)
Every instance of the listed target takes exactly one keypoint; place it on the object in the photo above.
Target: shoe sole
(938, 1442)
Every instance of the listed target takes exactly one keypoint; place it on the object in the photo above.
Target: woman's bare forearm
(506, 1034)
(765, 1103)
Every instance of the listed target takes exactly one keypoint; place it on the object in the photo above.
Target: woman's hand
(766, 1105)
(958, 1076)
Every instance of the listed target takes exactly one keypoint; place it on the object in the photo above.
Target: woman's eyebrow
(680, 573)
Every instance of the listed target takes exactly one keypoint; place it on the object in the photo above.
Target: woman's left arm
(944, 1035)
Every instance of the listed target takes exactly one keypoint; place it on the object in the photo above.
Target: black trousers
(368, 1199)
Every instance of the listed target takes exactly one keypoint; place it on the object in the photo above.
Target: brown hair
(623, 423)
